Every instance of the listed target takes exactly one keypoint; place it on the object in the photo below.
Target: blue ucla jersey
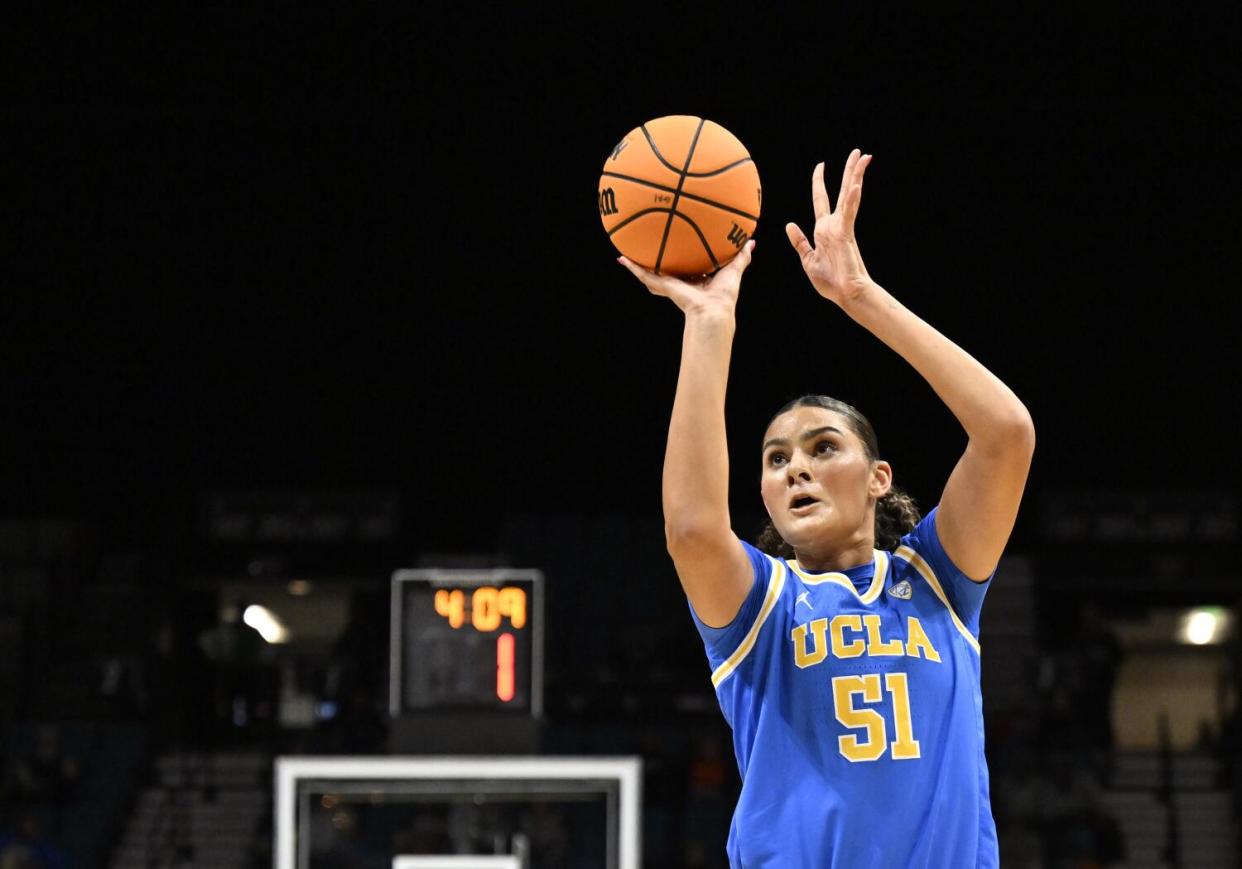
(856, 713)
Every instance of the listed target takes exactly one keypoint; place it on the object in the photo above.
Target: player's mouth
(802, 504)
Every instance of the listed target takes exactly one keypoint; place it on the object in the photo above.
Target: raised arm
(980, 501)
(710, 561)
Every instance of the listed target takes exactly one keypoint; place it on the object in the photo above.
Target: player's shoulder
(775, 580)
(922, 542)
(763, 564)
(921, 556)
(924, 534)
(919, 552)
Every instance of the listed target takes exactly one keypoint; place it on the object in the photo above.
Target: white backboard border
(627, 771)
(456, 861)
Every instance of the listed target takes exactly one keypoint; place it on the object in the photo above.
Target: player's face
(818, 484)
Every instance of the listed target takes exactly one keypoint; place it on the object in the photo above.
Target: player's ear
(881, 479)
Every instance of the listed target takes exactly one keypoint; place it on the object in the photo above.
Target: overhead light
(266, 623)
(1204, 626)
(299, 587)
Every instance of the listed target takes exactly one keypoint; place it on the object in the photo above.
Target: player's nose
(797, 472)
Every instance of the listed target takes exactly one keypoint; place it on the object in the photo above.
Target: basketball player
(846, 659)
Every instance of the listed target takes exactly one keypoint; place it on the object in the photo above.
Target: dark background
(305, 252)
(310, 248)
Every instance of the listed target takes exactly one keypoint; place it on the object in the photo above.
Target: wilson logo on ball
(607, 201)
(737, 236)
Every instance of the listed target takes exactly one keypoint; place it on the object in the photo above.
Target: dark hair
(896, 514)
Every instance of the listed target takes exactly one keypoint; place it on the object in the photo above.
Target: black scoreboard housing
(437, 668)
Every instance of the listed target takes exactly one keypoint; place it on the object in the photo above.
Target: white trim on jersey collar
(881, 561)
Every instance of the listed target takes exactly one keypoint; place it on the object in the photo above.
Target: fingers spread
(847, 175)
(861, 169)
(854, 198)
(850, 210)
(819, 193)
(798, 240)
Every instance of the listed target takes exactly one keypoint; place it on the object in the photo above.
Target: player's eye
(825, 447)
(776, 459)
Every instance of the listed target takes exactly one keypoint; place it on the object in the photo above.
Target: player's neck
(826, 558)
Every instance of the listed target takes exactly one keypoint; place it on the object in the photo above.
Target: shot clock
(467, 641)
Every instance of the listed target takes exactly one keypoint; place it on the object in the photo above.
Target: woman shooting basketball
(846, 657)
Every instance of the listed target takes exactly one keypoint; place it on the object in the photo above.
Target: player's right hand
(710, 294)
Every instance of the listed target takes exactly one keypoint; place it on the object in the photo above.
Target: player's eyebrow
(806, 436)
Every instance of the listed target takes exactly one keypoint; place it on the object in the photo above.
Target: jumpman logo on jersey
(802, 598)
(902, 590)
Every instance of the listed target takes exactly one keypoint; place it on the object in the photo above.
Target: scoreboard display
(467, 641)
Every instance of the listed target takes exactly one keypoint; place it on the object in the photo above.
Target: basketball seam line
(695, 197)
(656, 151)
(669, 165)
(637, 215)
(702, 238)
(721, 169)
(687, 219)
(677, 195)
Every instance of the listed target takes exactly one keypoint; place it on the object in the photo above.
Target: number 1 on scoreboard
(504, 667)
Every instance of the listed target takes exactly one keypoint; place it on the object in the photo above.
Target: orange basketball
(679, 195)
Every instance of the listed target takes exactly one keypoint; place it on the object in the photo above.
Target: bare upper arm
(715, 573)
(980, 502)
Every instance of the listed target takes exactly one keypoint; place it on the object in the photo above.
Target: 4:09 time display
(466, 641)
(489, 606)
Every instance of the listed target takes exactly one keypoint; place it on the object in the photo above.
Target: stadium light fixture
(264, 621)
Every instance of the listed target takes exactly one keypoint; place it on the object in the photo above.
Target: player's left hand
(834, 264)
